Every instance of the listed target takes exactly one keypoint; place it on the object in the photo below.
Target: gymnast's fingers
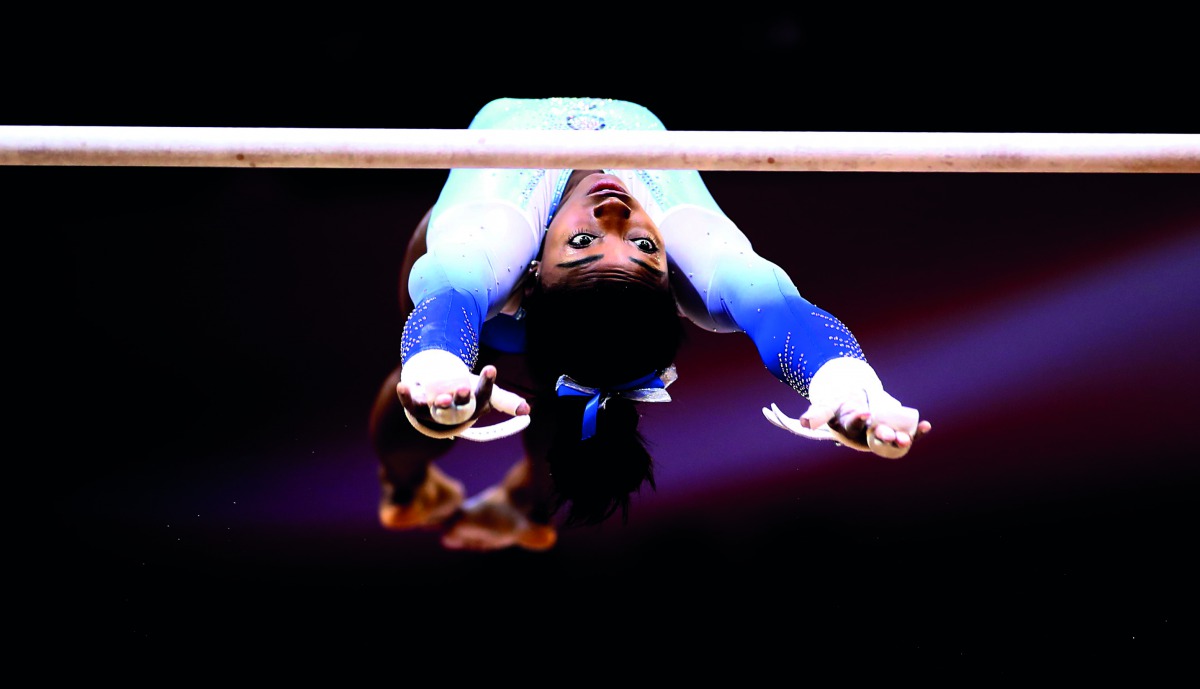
(485, 386)
(902, 437)
(817, 415)
(887, 442)
(508, 402)
(887, 434)
(462, 395)
(405, 393)
(458, 397)
(922, 428)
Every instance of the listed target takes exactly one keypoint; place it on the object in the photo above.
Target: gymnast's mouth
(607, 187)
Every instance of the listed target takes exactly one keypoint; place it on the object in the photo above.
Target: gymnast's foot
(435, 500)
(490, 521)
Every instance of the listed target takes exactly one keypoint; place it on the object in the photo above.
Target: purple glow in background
(1098, 331)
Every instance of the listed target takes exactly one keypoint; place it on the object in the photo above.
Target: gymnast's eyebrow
(648, 267)
(581, 262)
(596, 257)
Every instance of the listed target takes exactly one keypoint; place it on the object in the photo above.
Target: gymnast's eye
(581, 240)
(646, 245)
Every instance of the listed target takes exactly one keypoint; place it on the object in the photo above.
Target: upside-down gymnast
(556, 299)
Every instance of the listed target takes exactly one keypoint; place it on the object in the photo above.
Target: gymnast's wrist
(432, 365)
(842, 379)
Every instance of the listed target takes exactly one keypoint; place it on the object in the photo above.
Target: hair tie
(649, 388)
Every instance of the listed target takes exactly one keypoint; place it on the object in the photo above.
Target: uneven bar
(697, 150)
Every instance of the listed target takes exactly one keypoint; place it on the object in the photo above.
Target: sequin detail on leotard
(796, 368)
(578, 114)
(438, 321)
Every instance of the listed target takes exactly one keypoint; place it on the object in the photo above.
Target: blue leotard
(487, 226)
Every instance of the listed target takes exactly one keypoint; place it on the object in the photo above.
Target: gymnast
(555, 300)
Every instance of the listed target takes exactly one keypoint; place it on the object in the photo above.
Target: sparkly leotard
(487, 226)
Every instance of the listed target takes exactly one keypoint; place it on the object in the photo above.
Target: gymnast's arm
(725, 286)
(480, 237)
(439, 345)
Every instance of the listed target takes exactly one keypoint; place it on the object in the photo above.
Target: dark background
(204, 344)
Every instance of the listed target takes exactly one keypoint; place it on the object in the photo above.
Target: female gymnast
(557, 298)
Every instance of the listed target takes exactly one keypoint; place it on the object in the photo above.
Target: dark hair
(600, 333)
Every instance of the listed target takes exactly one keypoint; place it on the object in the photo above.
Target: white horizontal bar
(620, 149)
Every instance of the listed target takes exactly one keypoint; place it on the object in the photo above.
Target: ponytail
(595, 478)
(602, 335)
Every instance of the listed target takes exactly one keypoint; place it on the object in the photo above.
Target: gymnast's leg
(415, 493)
(515, 512)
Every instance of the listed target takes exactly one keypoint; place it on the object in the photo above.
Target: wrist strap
(438, 430)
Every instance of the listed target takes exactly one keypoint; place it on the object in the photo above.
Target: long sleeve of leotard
(723, 285)
(794, 338)
(484, 230)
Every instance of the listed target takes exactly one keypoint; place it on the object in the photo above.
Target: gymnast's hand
(441, 398)
(452, 402)
(885, 428)
(849, 405)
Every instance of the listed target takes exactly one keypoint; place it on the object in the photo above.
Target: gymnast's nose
(612, 209)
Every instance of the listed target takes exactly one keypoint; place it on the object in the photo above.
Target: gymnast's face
(601, 232)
